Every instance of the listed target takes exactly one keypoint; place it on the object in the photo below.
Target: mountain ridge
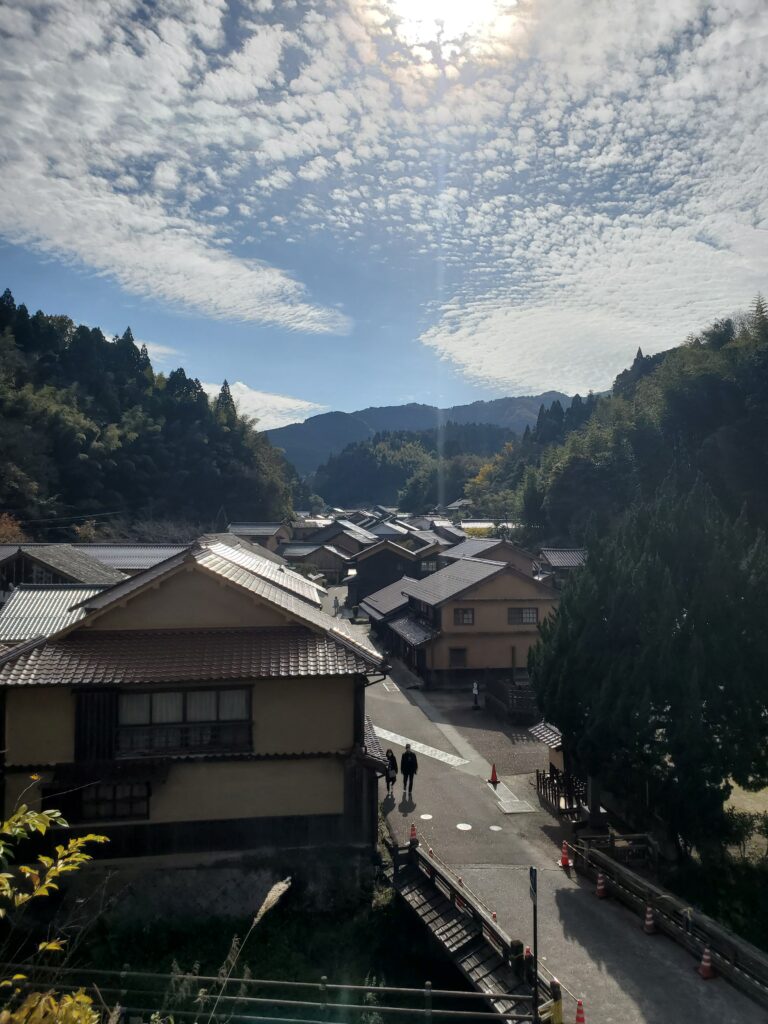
(309, 444)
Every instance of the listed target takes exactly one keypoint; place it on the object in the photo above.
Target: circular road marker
(495, 828)
(464, 827)
(426, 817)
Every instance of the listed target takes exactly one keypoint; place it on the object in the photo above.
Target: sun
(420, 22)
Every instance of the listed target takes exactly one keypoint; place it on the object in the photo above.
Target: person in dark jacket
(408, 766)
(391, 773)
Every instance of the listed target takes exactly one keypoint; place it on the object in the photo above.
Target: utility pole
(533, 874)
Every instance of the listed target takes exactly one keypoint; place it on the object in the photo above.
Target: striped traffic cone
(580, 1018)
(706, 970)
(649, 924)
(565, 861)
(413, 839)
(601, 891)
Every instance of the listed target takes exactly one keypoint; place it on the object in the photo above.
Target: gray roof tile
(125, 657)
(454, 579)
(387, 600)
(411, 630)
(34, 611)
(66, 560)
(563, 558)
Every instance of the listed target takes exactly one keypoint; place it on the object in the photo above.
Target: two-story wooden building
(386, 562)
(204, 704)
(474, 620)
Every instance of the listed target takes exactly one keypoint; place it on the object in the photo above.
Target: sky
(370, 202)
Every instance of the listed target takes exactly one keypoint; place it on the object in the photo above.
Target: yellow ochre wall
(39, 725)
(489, 641)
(191, 599)
(212, 790)
(290, 716)
(249, 789)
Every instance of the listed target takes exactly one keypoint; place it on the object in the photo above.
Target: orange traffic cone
(431, 852)
(706, 970)
(580, 1018)
(649, 925)
(493, 915)
(565, 861)
(494, 779)
(601, 891)
(413, 839)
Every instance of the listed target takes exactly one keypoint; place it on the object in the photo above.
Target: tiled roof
(372, 745)
(66, 560)
(33, 611)
(563, 558)
(429, 537)
(240, 542)
(454, 579)
(388, 530)
(125, 657)
(412, 631)
(471, 547)
(295, 606)
(387, 600)
(130, 556)
(547, 733)
(298, 550)
(255, 529)
(280, 575)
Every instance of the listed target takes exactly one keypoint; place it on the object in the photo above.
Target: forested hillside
(654, 664)
(703, 406)
(415, 469)
(309, 444)
(87, 426)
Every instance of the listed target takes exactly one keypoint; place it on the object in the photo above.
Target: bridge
(495, 965)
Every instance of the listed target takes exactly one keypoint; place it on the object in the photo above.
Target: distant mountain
(307, 445)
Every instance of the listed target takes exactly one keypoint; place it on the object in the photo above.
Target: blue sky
(362, 202)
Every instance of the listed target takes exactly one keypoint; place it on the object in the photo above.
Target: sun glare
(421, 22)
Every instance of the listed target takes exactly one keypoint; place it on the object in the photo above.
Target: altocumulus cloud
(270, 410)
(579, 178)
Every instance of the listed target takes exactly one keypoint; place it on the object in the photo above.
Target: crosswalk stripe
(420, 748)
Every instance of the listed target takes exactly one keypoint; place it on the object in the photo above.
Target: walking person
(409, 765)
(391, 772)
(335, 604)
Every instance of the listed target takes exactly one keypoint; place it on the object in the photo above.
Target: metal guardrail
(143, 993)
(734, 958)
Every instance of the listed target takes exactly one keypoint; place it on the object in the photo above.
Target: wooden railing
(561, 794)
(743, 964)
(469, 903)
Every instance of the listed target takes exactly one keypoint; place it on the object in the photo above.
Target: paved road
(595, 947)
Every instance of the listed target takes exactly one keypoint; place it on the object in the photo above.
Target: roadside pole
(533, 874)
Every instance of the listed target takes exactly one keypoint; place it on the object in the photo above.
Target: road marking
(464, 827)
(426, 817)
(420, 748)
(388, 688)
(509, 803)
(495, 828)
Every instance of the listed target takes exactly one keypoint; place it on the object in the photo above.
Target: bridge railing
(743, 964)
(467, 902)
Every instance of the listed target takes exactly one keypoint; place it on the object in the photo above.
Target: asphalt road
(596, 948)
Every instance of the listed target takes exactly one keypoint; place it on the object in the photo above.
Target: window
(457, 657)
(116, 801)
(172, 721)
(429, 565)
(522, 616)
(463, 616)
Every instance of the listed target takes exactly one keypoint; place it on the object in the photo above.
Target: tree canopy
(415, 469)
(88, 427)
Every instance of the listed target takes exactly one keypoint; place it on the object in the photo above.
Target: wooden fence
(562, 794)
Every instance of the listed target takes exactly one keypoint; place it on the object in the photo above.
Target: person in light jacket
(409, 765)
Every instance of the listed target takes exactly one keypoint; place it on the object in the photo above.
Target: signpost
(533, 875)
